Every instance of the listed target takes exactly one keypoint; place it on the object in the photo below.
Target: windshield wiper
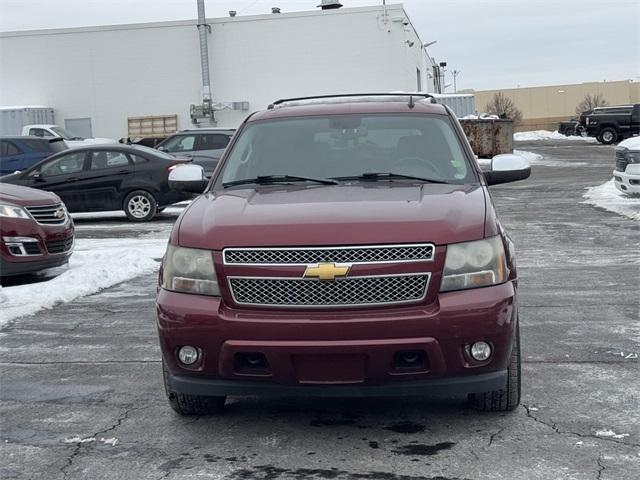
(270, 179)
(389, 176)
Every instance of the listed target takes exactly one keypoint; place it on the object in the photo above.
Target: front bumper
(42, 237)
(627, 182)
(339, 353)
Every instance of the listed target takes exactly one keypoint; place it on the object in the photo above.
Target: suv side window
(213, 141)
(8, 149)
(101, 160)
(39, 132)
(180, 143)
(70, 163)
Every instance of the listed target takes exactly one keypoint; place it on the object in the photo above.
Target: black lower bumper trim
(24, 268)
(438, 387)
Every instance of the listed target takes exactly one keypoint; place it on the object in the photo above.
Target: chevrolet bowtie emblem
(327, 271)
(58, 213)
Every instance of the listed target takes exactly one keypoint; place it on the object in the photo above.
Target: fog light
(480, 351)
(188, 355)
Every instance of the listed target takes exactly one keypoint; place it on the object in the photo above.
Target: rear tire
(607, 136)
(508, 398)
(140, 206)
(191, 404)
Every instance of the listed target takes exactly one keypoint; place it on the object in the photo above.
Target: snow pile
(547, 135)
(94, 265)
(608, 197)
(77, 439)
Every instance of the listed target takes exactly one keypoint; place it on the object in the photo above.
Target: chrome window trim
(352, 247)
(333, 305)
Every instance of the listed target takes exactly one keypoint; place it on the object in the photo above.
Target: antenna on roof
(411, 102)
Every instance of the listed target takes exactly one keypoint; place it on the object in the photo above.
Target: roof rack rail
(355, 95)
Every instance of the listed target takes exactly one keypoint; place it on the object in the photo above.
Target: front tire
(508, 398)
(191, 404)
(140, 206)
(608, 136)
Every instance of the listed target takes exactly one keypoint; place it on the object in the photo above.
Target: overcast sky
(494, 43)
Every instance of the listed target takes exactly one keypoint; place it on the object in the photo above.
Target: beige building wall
(543, 107)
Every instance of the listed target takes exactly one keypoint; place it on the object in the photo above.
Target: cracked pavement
(81, 394)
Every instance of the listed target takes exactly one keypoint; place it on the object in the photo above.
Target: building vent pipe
(203, 30)
(329, 4)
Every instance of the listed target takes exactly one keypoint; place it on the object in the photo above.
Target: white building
(98, 77)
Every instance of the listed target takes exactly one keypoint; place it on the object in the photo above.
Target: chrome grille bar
(45, 214)
(307, 255)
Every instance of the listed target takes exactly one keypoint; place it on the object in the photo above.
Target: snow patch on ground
(608, 197)
(537, 159)
(77, 439)
(537, 135)
(610, 434)
(94, 265)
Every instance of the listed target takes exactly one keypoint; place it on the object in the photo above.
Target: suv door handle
(72, 179)
(124, 171)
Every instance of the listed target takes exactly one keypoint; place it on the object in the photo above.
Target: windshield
(61, 132)
(338, 146)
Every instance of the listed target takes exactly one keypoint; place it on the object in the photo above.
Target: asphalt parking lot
(81, 393)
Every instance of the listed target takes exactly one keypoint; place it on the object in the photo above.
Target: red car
(36, 232)
(345, 246)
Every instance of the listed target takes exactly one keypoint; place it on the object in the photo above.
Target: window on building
(418, 80)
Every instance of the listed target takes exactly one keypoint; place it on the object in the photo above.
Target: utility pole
(455, 73)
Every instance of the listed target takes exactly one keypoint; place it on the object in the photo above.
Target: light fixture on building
(275, 10)
(428, 44)
(409, 42)
(232, 13)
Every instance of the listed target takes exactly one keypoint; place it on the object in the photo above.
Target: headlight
(11, 211)
(474, 264)
(632, 156)
(189, 270)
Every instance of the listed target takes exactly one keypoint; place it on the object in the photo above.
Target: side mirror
(37, 177)
(188, 178)
(163, 149)
(507, 168)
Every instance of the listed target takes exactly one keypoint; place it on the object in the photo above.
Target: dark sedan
(99, 178)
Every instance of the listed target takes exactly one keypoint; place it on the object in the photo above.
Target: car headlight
(480, 263)
(632, 156)
(189, 270)
(11, 211)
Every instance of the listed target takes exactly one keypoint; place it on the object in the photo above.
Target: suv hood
(21, 196)
(376, 213)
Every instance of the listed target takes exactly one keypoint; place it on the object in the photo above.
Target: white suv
(627, 172)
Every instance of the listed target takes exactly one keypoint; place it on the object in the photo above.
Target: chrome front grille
(48, 214)
(353, 255)
(342, 292)
(621, 160)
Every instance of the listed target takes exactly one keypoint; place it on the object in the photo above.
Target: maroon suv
(345, 246)
(36, 232)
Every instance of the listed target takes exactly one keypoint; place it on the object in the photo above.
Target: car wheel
(140, 206)
(508, 398)
(608, 135)
(191, 404)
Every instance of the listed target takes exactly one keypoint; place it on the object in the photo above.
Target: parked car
(151, 142)
(20, 153)
(613, 124)
(204, 146)
(345, 247)
(570, 127)
(55, 131)
(107, 177)
(626, 175)
(36, 232)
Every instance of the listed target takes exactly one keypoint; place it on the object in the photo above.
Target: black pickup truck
(612, 124)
